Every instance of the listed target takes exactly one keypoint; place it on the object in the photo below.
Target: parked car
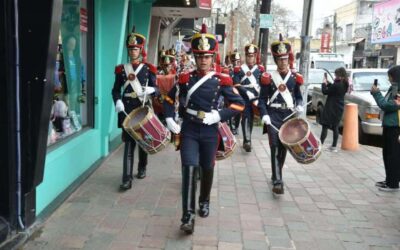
(360, 81)
(315, 79)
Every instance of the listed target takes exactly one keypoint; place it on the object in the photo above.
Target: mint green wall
(66, 163)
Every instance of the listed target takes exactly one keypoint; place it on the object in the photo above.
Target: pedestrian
(334, 105)
(199, 92)
(247, 80)
(390, 106)
(136, 79)
(280, 96)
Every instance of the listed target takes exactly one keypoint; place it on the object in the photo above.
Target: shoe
(125, 186)
(204, 209)
(386, 188)
(278, 189)
(247, 146)
(188, 223)
(234, 131)
(332, 149)
(380, 184)
(141, 174)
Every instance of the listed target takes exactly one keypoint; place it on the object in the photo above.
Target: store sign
(386, 22)
(325, 42)
(266, 21)
(83, 20)
(204, 4)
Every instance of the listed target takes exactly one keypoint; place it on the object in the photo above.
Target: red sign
(325, 42)
(205, 4)
(84, 20)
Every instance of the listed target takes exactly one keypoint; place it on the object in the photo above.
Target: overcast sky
(322, 8)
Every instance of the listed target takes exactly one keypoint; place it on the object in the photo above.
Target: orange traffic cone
(350, 127)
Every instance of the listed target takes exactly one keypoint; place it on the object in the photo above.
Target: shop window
(71, 111)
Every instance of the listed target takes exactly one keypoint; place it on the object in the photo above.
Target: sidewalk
(329, 204)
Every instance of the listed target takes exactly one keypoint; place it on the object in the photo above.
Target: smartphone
(376, 82)
(326, 75)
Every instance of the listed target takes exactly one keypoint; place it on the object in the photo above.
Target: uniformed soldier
(235, 121)
(136, 79)
(246, 79)
(280, 95)
(167, 62)
(199, 91)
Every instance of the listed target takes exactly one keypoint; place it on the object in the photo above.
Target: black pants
(391, 155)
(130, 144)
(324, 133)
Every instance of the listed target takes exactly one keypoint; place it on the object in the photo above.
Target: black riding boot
(205, 190)
(246, 129)
(188, 198)
(127, 166)
(142, 164)
(236, 121)
(276, 171)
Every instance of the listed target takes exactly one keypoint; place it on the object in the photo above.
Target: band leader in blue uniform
(247, 80)
(280, 95)
(132, 78)
(199, 91)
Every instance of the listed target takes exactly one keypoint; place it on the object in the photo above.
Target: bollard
(350, 127)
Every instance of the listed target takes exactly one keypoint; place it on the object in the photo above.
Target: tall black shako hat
(205, 43)
(136, 40)
(281, 48)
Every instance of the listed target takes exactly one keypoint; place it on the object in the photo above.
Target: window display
(69, 112)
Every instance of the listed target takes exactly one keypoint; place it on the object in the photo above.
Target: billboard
(386, 22)
(325, 42)
(204, 4)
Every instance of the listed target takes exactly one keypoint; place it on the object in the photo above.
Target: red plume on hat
(203, 28)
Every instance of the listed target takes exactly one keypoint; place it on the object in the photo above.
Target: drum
(165, 84)
(227, 142)
(296, 136)
(147, 130)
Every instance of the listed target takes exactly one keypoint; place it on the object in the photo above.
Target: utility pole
(257, 26)
(334, 32)
(305, 47)
(264, 33)
(232, 29)
(218, 10)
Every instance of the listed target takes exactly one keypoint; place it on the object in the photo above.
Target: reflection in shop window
(69, 109)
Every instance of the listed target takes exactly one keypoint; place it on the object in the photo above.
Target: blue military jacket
(146, 75)
(205, 98)
(243, 86)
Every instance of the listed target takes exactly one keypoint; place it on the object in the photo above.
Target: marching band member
(136, 79)
(280, 94)
(246, 79)
(199, 91)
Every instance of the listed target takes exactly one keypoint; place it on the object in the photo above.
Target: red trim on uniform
(265, 78)
(225, 80)
(225, 70)
(236, 69)
(183, 77)
(261, 68)
(119, 69)
(237, 107)
(299, 79)
(152, 68)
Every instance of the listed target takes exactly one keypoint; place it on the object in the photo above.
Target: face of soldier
(282, 63)
(134, 54)
(250, 59)
(204, 62)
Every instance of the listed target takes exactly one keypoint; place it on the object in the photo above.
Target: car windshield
(362, 81)
(315, 76)
(329, 65)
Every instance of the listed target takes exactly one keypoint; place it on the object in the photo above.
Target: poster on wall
(205, 4)
(386, 22)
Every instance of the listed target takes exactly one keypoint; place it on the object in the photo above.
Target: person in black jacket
(333, 111)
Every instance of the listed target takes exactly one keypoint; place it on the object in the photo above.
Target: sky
(322, 8)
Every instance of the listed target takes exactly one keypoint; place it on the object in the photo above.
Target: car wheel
(318, 114)
(362, 137)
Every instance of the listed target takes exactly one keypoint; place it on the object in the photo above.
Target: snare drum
(227, 142)
(147, 130)
(296, 136)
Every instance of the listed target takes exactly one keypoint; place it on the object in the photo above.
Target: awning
(356, 40)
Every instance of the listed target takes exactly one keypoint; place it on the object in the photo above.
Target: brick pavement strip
(329, 204)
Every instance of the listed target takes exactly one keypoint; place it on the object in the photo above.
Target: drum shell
(227, 139)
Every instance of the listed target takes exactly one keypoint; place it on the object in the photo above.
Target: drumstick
(294, 112)
(126, 114)
(145, 93)
(277, 130)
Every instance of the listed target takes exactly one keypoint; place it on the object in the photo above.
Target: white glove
(250, 95)
(299, 109)
(173, 126)
(266, 120)
(119, 106)
(149, 90)
(211, 117)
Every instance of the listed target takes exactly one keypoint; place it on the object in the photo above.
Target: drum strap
(197, 85)
(276, 77)
(252, 79)
(135, 84)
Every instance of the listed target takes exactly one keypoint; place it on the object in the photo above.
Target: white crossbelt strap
(197, 85)
(276, 77)
(135, 84)
(251, 78)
